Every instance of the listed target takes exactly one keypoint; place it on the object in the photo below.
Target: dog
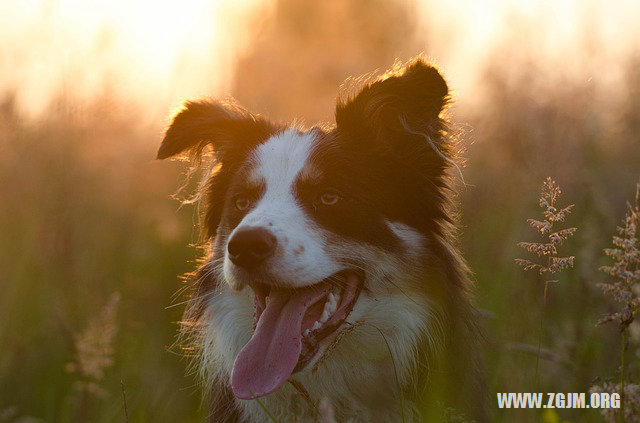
(332, 283)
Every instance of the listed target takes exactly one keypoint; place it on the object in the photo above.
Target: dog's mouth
(289, 325)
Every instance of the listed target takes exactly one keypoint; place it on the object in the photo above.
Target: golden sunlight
(570, 38)
(153, 54)
(496, 97)
(84, 47)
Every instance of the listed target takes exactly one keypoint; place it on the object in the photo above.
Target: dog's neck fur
(344, 377)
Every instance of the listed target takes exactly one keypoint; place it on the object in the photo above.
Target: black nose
(250, 247)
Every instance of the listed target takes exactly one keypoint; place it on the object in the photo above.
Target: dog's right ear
(230, 129)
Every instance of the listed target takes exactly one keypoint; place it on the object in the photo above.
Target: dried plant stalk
(625, 289)
(552, 214)
(94, 349)
(553, 239)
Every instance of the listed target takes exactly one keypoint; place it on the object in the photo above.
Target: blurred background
(92, 244)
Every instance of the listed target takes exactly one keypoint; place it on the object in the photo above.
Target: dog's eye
(329, 198)
(242, 203)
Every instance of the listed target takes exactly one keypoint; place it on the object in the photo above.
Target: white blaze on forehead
(301, 257)
(280, 159)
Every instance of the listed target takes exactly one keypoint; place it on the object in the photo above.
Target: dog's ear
(230, 129)
(404, 104)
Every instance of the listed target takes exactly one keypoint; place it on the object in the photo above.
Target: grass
(86, 213)
(626, 289)
(553, 239)
(395, 373)
(84, 217)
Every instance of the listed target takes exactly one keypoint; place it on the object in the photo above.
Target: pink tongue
(267, 360)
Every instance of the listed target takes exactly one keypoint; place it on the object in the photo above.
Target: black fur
(387, 158)
(230, 130)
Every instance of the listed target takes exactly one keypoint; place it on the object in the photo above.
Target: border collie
(332, 276)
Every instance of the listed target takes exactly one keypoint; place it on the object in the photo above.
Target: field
(92, 244)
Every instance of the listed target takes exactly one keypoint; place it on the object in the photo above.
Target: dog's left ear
(227, 127)
(404, 104)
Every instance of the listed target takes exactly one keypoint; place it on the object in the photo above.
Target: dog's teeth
(329, 308)
(306, 332)
(331, 304)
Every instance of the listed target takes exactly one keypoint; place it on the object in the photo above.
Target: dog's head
(323, 228)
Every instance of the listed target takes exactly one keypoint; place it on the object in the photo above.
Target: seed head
(625, 270)
(548, 202)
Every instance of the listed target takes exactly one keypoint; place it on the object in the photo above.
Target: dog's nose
(250, 247)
